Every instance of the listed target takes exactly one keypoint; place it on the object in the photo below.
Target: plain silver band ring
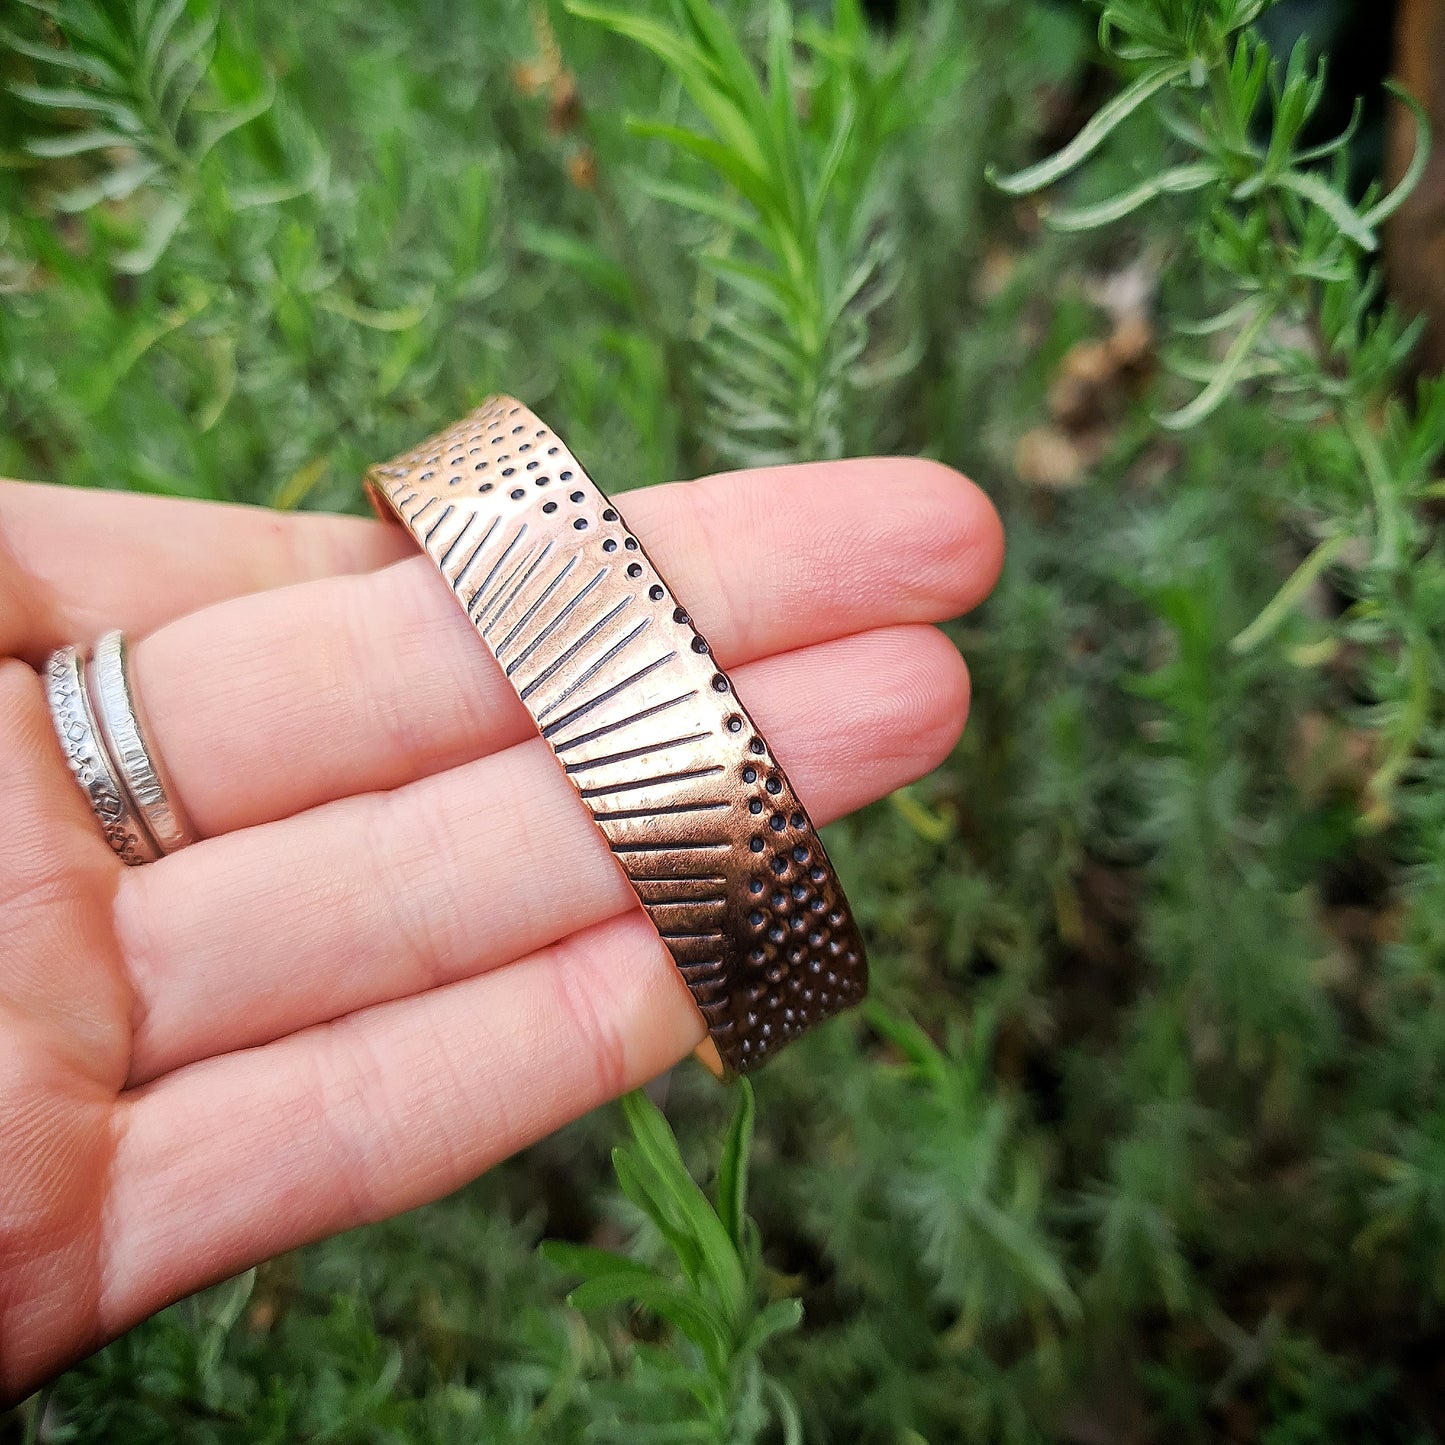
(85, 750)
(121, 730)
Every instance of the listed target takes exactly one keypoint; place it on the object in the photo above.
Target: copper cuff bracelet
(692, 802)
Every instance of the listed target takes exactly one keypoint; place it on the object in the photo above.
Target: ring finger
(269, 930)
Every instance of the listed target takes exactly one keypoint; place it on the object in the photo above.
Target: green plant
(716, 1390)
(796, 241)
(145, 81)
(975, 1188)
(1287, 253)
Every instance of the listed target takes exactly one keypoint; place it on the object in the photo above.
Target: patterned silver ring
(85, 750)
(120, 727)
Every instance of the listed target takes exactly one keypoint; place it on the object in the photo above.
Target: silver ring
(86, 752)
(115, 711)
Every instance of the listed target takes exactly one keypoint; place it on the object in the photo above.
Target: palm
(402, 951)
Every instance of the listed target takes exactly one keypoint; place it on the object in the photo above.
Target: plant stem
(1388, 522)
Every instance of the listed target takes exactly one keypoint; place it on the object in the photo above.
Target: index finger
(76, 562)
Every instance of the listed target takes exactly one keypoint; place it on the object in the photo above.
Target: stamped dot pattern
(694, 806)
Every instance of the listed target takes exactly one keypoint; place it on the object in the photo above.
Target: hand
(403, 951)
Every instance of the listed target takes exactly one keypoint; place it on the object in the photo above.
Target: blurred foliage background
(1143, 1135)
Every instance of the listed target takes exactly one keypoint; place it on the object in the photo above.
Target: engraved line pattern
(444, 561)
(531, 612)
(642, 752)
(432, 530)
(662, 780)
(571, 650)
(482, 586)
(596, 667)
(499, 592)
(513, 594)
(626, 722)
(711, 880)
(456, 578)
(622, 815)
(568, 609)
(607, 696)
(120, 734)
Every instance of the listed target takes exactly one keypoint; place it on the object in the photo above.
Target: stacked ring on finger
(100, 732)
(692, 801)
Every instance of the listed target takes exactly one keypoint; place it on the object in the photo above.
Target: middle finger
(270, 704)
